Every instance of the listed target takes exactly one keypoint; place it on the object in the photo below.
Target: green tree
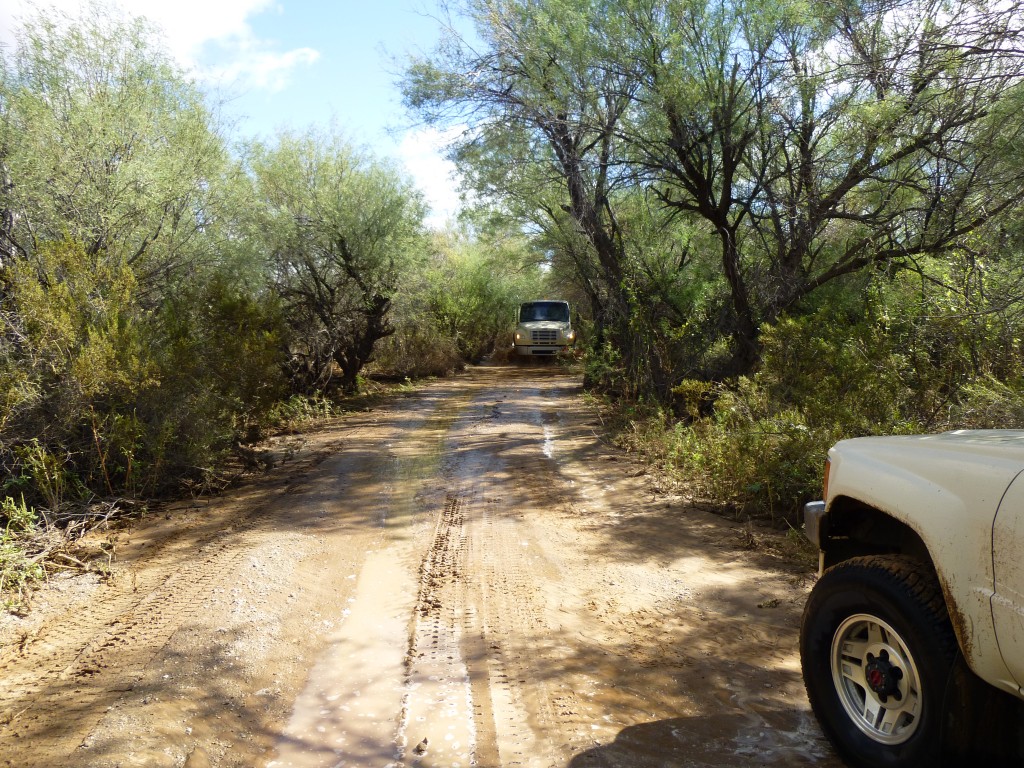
(458, 305)
(475, 287)
(337, 230)
(104, 141)
(542, 140)
(817, 141)
(812, 142)
(128, 362)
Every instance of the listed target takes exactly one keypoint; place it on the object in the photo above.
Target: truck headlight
(571, 336)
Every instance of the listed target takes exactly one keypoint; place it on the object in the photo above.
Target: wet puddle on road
(390, 690)
(345, 715)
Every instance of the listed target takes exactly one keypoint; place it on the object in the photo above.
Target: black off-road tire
(883, 620)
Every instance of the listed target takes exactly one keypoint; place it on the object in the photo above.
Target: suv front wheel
(877, 648)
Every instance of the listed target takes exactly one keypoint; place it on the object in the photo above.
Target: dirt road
(465, 577)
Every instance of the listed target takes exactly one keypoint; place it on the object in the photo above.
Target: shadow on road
(714, 740)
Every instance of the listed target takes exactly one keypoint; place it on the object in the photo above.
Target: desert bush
(72, 352)
(300, 411)
(758, 443)
(18, 567)
(222, 368)
(906, 363)
(104, 396)
(417, 350)
(987, 403)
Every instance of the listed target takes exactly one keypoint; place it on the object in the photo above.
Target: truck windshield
(532, 311)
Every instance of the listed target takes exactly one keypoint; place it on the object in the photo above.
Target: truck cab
(543, 328)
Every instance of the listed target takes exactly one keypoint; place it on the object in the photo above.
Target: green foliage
(418, 349)
(47, 474)
(602, 365)
(17, 568)
(299, 411)
(108, 397)
(337, 230)
(903, 363)
(104, 141)
(71, 350)
(218, 354)
(704, 169)
(127, 361)
(17, 516)
(462, 304)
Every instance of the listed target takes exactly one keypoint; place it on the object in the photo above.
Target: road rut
(467, 576)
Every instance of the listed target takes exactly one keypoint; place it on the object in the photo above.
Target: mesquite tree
(811, 142)
(336, 230)
(104, 141)
(543, 122)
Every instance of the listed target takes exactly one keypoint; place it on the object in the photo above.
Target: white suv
(912, 641)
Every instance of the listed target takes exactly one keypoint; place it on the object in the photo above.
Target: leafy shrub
(17, 567)
(417, 350)
(759, 443)
(299, 411)
(71, 351)
(221, 360)
(762, 446)
(104, 395)
(16, 516)
(987, 403)
(603, 369)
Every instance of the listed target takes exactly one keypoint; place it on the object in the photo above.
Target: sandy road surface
(466, 577)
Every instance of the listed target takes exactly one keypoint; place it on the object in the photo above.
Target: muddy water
(466, 577)
(364, 693)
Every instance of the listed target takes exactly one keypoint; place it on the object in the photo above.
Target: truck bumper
(540, 351)
(814, 512)
(814, 528)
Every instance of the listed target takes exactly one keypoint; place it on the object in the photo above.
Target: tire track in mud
(519, 718)
(436, 722)
(392, 697)
(58, 684)
(96, 656)
(562, 662)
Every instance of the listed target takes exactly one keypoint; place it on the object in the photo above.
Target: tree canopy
(810, 142)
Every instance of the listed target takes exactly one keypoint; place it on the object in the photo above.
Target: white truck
(912, 639)
(543, 328)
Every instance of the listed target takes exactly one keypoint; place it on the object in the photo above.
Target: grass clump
(20, 567)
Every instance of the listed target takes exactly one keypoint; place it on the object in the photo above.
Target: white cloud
(421, 151)
(196, 32)
(261, 68)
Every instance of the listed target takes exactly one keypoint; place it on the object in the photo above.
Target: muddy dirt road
(464, 577)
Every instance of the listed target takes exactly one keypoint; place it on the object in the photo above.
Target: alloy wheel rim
(876, 679)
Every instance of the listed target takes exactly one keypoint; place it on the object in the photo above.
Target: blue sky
(351, 77)
(294, 63)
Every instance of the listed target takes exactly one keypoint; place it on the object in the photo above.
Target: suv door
(1008, 568)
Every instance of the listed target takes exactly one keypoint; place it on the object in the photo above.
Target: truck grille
(544, 336)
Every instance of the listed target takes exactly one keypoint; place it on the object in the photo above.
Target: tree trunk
(358, 352)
